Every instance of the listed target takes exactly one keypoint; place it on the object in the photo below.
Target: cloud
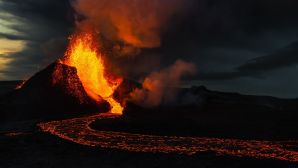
(3, 62)
(258, 67)
(37, 24)
(285, 57)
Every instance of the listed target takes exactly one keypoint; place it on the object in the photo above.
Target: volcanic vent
(83, 54)
(78, 83)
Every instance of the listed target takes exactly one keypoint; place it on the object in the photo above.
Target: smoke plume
(132, 25)
(134, 22)
(160, 87)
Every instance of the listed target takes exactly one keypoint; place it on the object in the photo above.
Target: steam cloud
(134, 22)
(160, 87)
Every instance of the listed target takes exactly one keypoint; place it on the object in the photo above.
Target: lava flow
(77, 130)
(83, 54)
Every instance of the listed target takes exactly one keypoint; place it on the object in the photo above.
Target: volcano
(53, 92)
(76, 84)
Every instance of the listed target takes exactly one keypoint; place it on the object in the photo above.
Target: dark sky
(247, 46)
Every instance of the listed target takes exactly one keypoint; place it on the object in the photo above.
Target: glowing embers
(20, 85)
(83, 54)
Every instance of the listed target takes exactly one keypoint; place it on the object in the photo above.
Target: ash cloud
(137, 23)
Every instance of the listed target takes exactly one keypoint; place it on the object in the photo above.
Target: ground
(23, 144)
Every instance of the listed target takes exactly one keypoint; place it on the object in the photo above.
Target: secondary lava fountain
(83, 54)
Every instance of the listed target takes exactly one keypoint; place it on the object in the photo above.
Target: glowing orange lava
(83, 54)
(78, 130)
(20, 85)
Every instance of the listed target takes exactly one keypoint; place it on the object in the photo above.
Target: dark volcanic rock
(7, 86)
(53, 92)
(198, 111)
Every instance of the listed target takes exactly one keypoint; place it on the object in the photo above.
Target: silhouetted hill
(53, 92)
(7, 86)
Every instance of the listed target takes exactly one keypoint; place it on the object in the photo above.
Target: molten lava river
(90, 69)
(77, 130)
